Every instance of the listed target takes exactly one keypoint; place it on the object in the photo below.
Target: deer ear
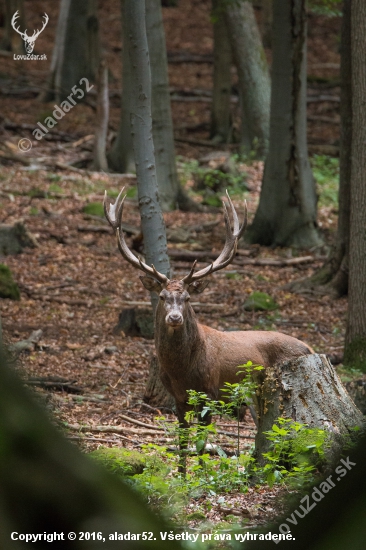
(151, 284)
(197, 287)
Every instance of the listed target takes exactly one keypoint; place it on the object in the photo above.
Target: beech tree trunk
(152, 222)
(332, 277)
(221, 125)
(286, 214)
(76, 50)
(166, 172)
(12, 41)
(253, 74)
(101, 131)
(121, 157)
(156, 394)
(355, 350)
(309, 391)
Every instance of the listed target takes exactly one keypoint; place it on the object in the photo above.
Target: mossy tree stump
(308, 390)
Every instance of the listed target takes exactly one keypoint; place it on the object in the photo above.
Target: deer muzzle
(174, 319)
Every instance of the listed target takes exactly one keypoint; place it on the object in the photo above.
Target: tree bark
(155, 393)
(221, 124)
(152, 222)
(355, 349)
(332, 277)
(253, 74)
(101, 131)
(77, 31)
(12, 41)
(309, 391)
(166, 171)
(286, 214)
(121, 157)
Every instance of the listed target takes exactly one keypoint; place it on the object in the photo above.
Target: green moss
(8, 287)
(120, 461)
(355, 354)
(124, 462)
(196, 516)
(94, 209)
(260, 301)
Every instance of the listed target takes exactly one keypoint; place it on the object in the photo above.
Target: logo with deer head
(29, 41)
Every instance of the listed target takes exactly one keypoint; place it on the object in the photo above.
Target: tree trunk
(286, 214)
(101, 131)
(166, 172)
(120, 157)
(12, 41)
(221, 126)
(309, 391)
(266, 22)
(152, 222)
(332, 277)
(253, 74)
(355, 350)
(76, 50)
(156, 394)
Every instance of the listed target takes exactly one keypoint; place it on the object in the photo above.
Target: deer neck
(177, 346)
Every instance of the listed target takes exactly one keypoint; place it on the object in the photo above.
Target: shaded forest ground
(74, 284)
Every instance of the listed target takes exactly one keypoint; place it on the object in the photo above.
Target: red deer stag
(192, 356)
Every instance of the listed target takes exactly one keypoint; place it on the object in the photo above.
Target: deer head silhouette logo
(28, 40)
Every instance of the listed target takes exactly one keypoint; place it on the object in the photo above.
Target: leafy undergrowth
(225, 483)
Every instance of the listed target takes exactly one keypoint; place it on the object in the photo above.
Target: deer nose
(174, 318)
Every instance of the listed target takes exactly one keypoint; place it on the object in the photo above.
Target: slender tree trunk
(221, 126)
(332, 277)
(101, 131)
(120, 157)
(252, 69)
(355, 350)
(12, 41)
(266, 22)
(166, 172)
(152, 222)
(286, 214)
(76, 50)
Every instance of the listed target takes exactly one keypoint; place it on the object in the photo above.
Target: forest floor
(74, 283)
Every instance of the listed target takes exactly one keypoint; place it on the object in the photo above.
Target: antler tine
(230, 245)
(114, 217)
(114, 209)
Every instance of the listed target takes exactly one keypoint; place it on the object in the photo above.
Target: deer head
(28, 40)
(175, 294)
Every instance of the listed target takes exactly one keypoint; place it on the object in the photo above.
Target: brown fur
(194, 356)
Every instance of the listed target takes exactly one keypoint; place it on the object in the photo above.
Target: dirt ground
(74, 283)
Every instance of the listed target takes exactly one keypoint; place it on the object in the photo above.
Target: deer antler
(229, 249)
(113, 214)
(13, 20)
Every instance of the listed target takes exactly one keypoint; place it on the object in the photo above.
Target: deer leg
(183, 440)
